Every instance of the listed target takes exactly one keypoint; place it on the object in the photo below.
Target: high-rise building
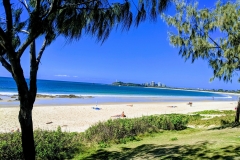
(152, 83)
(159, 84)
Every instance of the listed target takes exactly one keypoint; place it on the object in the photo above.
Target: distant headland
(151, 84)
(161, 85)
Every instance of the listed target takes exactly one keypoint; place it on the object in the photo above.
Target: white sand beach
(77, 118)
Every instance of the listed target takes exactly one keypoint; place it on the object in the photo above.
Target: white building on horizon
(152, 83)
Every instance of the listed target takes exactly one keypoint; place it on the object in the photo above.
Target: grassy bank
(186, 144)
(151, 137)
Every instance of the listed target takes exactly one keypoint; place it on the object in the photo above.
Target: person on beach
(172, 106)
(123, 115)
(120, 115)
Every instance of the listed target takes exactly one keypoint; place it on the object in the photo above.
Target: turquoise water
(7, 86)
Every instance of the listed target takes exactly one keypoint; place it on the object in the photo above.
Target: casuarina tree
(209, 33)
(22, 22)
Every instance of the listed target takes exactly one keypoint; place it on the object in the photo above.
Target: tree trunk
(25, 113)
(25, 119)
(237, 112)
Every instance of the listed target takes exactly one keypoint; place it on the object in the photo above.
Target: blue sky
(140, 55)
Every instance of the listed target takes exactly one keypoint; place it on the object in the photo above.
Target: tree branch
(77, 4)
(38, 5)
(3, 35)
(3, 47)
(210, 38)
(25, 31)
(6, 64)
(136, 6)
(33, 54)
(9, 33)
(33, 71)
(214, 42)
(213, 47)
(25, 45)
(25, 5)
(41, 52)
(47, 13)
(8, 11)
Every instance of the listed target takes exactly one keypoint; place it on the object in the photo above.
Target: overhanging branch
(5, 64)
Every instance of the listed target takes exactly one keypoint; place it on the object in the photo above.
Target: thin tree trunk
(237, 112)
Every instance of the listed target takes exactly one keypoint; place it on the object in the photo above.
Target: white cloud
(61, 75)
(75, 76)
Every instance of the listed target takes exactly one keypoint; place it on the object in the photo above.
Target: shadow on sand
(200, 150)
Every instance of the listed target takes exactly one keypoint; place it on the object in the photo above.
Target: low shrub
(122, 130)
(48, 144)
(11, 146)
(56, 144)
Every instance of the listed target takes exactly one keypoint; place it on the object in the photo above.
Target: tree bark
(25, 113)
(237, 112)
(25, 119)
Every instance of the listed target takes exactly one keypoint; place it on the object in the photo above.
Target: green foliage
(10, 146)
(49, 145)
(216, 112)
(55, 144)
(174, 139)
(196, 32)
(123, 130)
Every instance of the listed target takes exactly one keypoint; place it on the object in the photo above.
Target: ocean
(109, 93)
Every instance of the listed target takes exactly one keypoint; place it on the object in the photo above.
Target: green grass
(212, 117)
(190, 144)
(214, 121)
(226, 112)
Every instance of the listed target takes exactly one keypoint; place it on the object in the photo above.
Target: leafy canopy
(69, 18)
(211, 34)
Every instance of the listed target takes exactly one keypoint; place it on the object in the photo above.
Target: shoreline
(44, 102)
(79, 117)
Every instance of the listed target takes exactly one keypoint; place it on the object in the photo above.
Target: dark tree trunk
(25, 114)
(237, 112)
(25, 119)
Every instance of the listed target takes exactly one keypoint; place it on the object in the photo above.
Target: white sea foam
(8, 93)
